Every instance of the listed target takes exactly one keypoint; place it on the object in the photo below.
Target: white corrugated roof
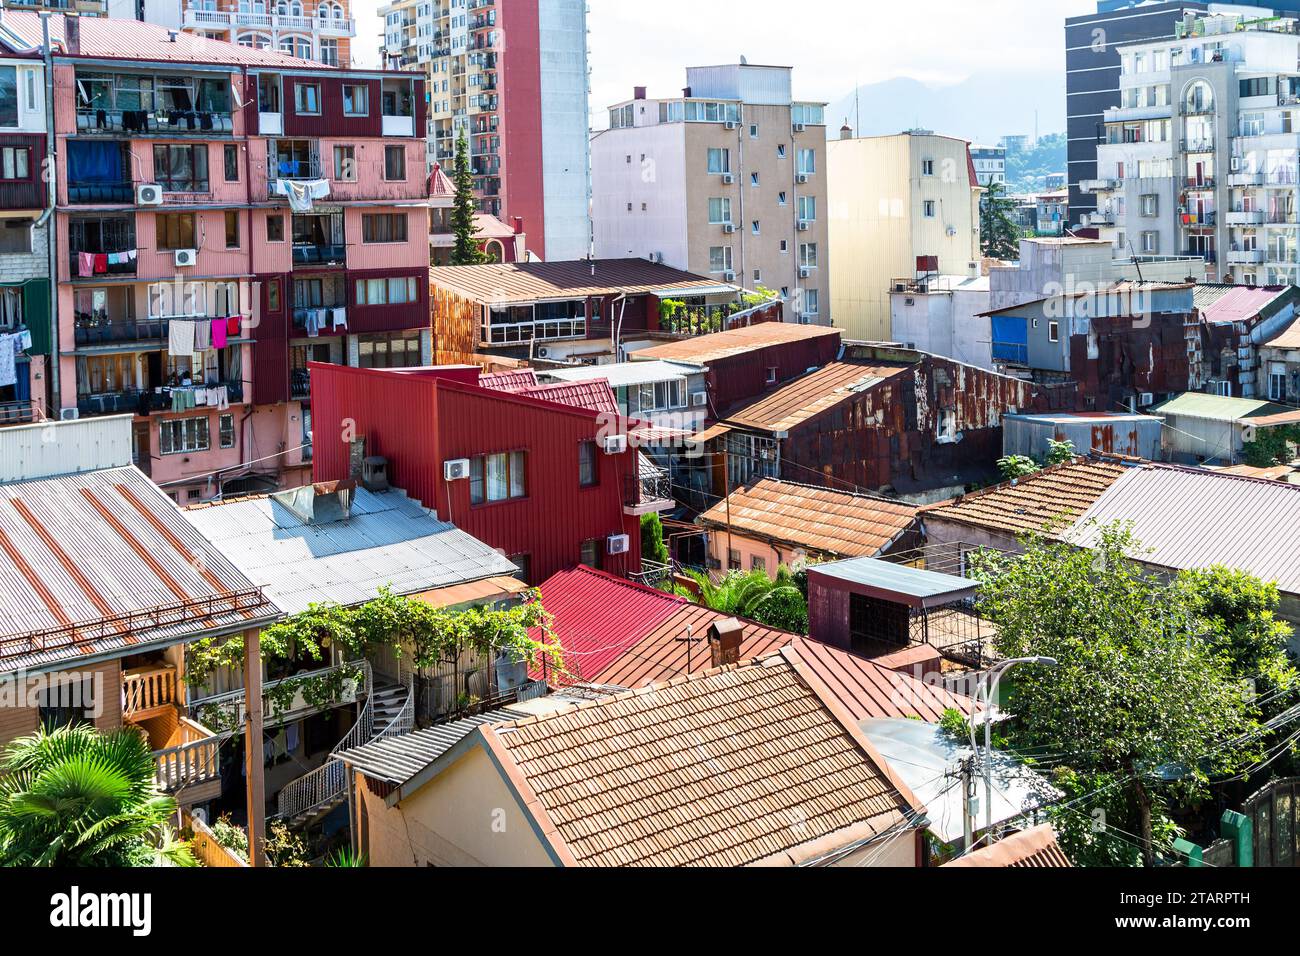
(390, 541)
(1186, 518)
(622, 374)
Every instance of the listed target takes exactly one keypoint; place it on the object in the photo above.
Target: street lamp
(989, 687)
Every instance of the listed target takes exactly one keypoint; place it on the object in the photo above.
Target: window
(807, 162)
(15, 236)
(758, 564)
(588, 464)
(771, 374)
(226, 430)
(383, 227)
(1053, 331)
(656, 396)
(719, 211)
(811, 302)
(275, 228)
(808, 208)
(753, 131)
(1277, 382)
(592, 551)
(720, 259)
(754, 227)
(356, 100)
(15, 162)
(230, 162)
(232, 229)
(1150, 242)
(1151, 205)
(183, 435)
(719, 160)
(175, 230)
(808, 255)
(8, 96)
(781, 198)
(181, 169)
(394, 291)
(273, 295)
(524, 565)
(930, 208)
(67, 703)
(927, 167)
(780, 151)
(395, 350)
(306, 99)
(345, 164)
(502, 477)
(395, 163)
(753, 179)
(733, 559)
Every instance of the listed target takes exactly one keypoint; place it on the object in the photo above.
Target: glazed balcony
(329, 27)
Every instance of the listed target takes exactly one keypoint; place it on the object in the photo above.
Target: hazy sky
(833, 44)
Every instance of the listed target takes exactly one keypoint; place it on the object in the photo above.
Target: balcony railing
(148, 689)
(110, 269)
(17, 413)
(647, 494)
(319, 255)
(223, 19)
(1199, 183)
(192, 760)
(161, 122)
(87, 194)
(136, 401)
(230, 707)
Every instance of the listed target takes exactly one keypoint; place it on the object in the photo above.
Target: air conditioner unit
(799, 127)
(69, 414)
(618, 544)
(699, 399)
(729, 276)
(728, 228)
(801, 178)
(731, 124)
(804, 273)
(148, 194)
(1146, 400)
(186, 257)
(542, 352)
(455, 470)
(728, 179)
(804, 225)
(1236, 164)
(615, 444)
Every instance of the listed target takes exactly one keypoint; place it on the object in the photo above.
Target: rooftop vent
(725, 638)
(326, 503)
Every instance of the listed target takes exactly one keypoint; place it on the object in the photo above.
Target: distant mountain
(982, 109)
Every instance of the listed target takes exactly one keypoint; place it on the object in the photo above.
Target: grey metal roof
(99, 546)
(620, 374)
(1187, 518)
(389, 541)
(898, 583)
(396, 760)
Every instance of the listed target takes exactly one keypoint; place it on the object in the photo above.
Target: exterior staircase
(389, 711)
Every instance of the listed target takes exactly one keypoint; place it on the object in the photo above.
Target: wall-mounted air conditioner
(618, 544)
(615, 444)
(186, 257)
(728, 179)
(728, 228)
(699, 399)
(799, 127)
(731, 124)
(804, 225)
(801, 178)
(69, 414)
(804, 273)
(457, 469)
(729, 277)
(148, 194)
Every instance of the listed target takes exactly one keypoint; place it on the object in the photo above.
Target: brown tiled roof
(1288, 338)
(709, 348)
(837, 523)
(1029, 849)
(704, 771)
(542, 281)
(1031, 504)
(805, 397)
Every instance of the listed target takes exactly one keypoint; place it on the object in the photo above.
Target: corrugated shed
(388, 542)
(813, 394)
(519, 282)
(1238, 304)
(624, 374)
(82, 549)
(708, 771)
(1185, 518)
(48, 449)
(1055, 496)
(821, 520)
(396, 760)
(1222, 408)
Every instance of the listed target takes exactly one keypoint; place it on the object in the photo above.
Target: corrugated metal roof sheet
(806, 397)
(1288, 338)
(836, 523)
(623, 374)
(503, 283)
(1238, 304)
(594, 395)
(390, 541)
(396, 760)
(704, 349)
(137, 40)
(1186, 518)
(897, 582)
(49, 449)
(509, 381)
(1221, 408)
(80, 549)
(1053, 497)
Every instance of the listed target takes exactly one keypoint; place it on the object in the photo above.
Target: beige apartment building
(896, 200)
(727, 180)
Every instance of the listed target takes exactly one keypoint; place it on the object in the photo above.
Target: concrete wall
(947, 323)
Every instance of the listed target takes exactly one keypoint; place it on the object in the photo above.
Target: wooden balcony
(148, 692)
(190, 767)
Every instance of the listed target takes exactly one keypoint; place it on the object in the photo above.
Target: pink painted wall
(387, 255)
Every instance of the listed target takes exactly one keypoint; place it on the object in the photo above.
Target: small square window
(275, 228)
(780, 151)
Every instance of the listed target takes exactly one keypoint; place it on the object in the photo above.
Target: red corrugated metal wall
(26, 193)
(271, 345)
(741, 377)
(388, 318)
(418, 422)
(331, 121)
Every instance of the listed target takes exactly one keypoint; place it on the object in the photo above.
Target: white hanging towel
(180, 337)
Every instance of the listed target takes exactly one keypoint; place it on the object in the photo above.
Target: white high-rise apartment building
(1202, 157)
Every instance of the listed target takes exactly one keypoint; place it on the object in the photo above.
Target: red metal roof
(1238, 304)
(594, 394)
(511, 381)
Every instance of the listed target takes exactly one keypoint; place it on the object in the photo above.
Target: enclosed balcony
(318, 241)
(102, 247)
(145, 104)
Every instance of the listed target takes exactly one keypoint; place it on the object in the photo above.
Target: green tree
(999, 234)
(1017, 466)
(1141, 712)
(653, 547)
(755, 596)
(1059, 452)
(74, 797)
(466, 251)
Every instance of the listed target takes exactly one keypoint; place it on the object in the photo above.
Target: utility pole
(969, 806)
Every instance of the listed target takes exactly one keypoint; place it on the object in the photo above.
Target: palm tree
(755, 596)
(74, 797)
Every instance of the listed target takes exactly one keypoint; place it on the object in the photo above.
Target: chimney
(519, 225)
(638, 92)
(846, 131)
(357, 458)
(725, 638)
(72, 33)
(686, 92)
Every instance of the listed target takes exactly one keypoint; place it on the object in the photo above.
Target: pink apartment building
(225, 215)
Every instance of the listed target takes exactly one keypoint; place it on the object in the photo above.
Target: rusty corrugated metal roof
(541, 281)
(795, 403)
(1237, 304)
(704, 349)
(1055, 496)
(824, 521)
(109, 546)
(1028, 849)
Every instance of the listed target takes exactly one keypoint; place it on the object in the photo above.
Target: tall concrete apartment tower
(1202, 158)
(727, 180)
(512, 76)
(320, 30)
(1092, 70)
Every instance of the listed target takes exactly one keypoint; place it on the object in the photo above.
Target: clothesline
(96, 263)
(11, 343)
(187, 336)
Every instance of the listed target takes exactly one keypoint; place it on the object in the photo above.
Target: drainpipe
(52, 226)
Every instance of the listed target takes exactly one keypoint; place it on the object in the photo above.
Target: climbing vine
(1272, 446)
(430, 635)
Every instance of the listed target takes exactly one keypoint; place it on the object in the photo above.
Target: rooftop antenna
(857, 106)
(1136, 265)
